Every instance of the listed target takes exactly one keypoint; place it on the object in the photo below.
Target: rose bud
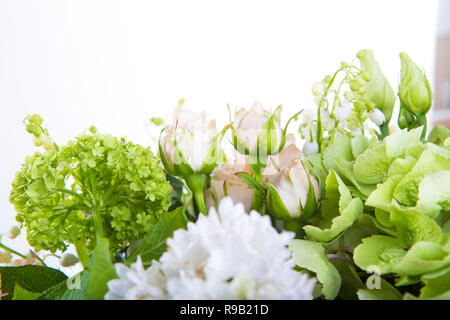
(294, 195)
(414, 90)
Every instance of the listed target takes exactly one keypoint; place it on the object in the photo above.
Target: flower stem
(423, 121)
(196, 183)
(339, 257)
(12, 251)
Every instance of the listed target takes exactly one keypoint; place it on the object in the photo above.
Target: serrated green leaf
(432, 159)
(412, 226)
(435, 189)
(340, 147)
(338, 225)
(359, 145)
(372, 166)
(401, 143)
(423, 257)
(401, 166)
(382, 197)
(312, 256)
(383, 252)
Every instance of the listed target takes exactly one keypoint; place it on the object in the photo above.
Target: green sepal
(163, 158)
(310, 208)
(214, 153)
(276, 205)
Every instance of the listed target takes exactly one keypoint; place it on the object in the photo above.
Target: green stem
(423, 121)
(293, 225)
(384, 129)
(196, 182)
(12, 251)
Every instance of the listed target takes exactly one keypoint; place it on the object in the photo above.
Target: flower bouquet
(361, 212)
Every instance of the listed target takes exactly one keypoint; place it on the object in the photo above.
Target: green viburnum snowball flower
(57, 191)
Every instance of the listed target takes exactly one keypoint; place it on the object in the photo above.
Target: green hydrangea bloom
(57, 192)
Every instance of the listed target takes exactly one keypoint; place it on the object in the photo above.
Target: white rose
(292, 188)
(193, 135)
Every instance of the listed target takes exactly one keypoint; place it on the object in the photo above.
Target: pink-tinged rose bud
(225, 183)
(288, 157)
(289, 193)
(257, 127)
(186, 145)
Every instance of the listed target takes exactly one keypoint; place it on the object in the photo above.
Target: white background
(114, 64)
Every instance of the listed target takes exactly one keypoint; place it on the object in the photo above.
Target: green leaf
(340, 147)
(423, 257)
(386, 292)
(382, 197)
(372, 166)
(435, 189)
(338, 224)
(350, 281)
(359, 145)
(401, 143)
(412, 226)
(345, 169)
(22, 294)
(101, 271)
(30, 277)
(432, 159)
(339, 211)
(312, 256)
(376, 294)
(401, 166)
(177, 192)
(436, 283)
(383, 252)
(153, 245)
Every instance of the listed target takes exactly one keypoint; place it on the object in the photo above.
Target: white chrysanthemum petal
(228, 254)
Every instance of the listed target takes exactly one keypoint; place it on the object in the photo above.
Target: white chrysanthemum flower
(137, 283)
(228, 254)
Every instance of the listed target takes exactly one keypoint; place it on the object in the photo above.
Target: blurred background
(115, 64)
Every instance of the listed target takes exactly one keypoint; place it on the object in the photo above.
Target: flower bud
(68, 260)
(377, 116)
(317, 89)
(47, 142)
(406, 119)
(343, 112)
(13, 232)
(414, 90)
(38, 141)
(225, 183)
(293, 194)
(377, 90)
(258, 131)
(189, 145)
(310, 148)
